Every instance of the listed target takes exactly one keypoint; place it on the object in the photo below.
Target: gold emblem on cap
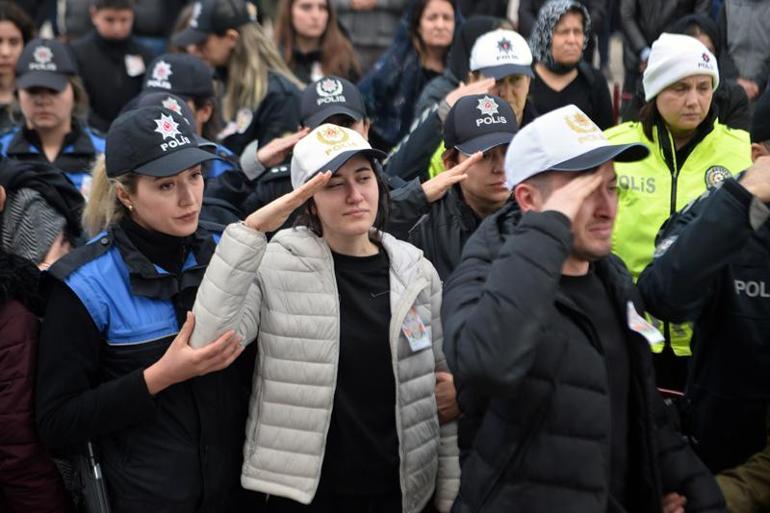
(332, 135)
(581, 123)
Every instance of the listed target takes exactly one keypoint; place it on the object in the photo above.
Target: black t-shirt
(578, 92)
(362, 444)
(592, 298)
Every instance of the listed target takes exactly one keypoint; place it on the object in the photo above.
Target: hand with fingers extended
(480, 87)
(181, 362)
(568, 198)
(673, 503)
(436, 187)
(277, 150)
(446, 398)
(272, 216)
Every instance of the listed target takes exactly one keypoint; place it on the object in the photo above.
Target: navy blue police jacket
(111, 314)
(81, 148)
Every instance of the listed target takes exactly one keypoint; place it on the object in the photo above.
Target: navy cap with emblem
(152, 141)
(214, 17)
(328, 97)
(178, 105)
(45, 63)
(183, 74)
(479, 122)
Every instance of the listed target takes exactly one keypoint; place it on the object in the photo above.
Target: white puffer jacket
(285, 294)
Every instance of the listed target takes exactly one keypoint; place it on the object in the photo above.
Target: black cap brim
(204, 143)
(506, 70)
(47, 79)
(174, 163)
(619, 152)
(337, 162)
(189, 36)
(485, 142)
(319, 117)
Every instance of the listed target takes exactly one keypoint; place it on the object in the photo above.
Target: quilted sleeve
(229, 296)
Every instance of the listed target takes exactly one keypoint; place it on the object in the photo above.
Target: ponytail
(103, 208)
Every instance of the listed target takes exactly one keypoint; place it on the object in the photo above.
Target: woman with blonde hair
(114, 365)
(261, 95)
(311, 42)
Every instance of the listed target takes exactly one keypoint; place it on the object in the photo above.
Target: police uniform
(115, 306)
(654, 188)
(82, 146)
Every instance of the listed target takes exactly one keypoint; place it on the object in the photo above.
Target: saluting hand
(276, 151)
(181, 362)
(568, 198)
(436, 187)
(756, 179)
(272, 216)
(480, 87)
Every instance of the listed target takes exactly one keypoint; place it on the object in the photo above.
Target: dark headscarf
(542, 35)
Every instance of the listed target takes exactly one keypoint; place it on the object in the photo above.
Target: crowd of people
(384, 256)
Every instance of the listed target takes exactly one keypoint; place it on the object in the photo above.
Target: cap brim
(189, 36)
(506, 70)
(204, 143)
(485, 142)
(174, 163)
(319, 117)
(337, 162)
(598, 156)
(47, 79)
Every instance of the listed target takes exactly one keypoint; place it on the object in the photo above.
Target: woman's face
(169, 205)
(216, 49)
(686, 103)
(347, 205)
(46, 109)
(11, 45)
(567, 39)
(309, 18)
(437, 24)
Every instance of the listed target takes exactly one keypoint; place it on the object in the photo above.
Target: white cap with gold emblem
(564, 139)
(327, 148)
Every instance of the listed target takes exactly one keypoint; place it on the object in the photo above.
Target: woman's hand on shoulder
(272, 216)
(181, 362)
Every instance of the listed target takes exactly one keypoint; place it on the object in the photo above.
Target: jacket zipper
(407, 300)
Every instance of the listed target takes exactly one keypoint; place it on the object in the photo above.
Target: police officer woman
(261, 98)
(115, 367)
(343, 415)
(54, 104)
(690, 151)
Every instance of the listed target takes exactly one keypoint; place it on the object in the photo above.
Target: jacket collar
(27, 142)
(146, 279)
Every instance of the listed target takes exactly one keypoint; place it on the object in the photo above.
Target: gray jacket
(376, 27)
(284, 294)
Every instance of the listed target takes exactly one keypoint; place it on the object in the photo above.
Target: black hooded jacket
(532, 382)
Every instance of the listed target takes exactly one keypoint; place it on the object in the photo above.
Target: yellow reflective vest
(649, 193)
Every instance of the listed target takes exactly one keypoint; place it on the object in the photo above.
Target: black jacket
(276, 115)
(179, 451)
(102, 64)
(711, 268)
(532, 383)
(440, 229)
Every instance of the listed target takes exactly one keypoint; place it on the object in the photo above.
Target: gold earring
(130, 207)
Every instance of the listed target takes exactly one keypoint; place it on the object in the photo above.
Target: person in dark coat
(710, 268)
(111, 62)
(544, 333)
(29, 479)
(562, 77)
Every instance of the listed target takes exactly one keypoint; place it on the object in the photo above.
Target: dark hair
(310, 219)
(337, 54)
(11, 12)
(213, 126)
(112, 4)
(648, 115)
(415, 15)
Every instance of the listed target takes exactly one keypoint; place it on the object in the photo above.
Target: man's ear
(758, 150)
(528, 197)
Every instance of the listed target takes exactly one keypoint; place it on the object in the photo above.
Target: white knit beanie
(674, 57)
